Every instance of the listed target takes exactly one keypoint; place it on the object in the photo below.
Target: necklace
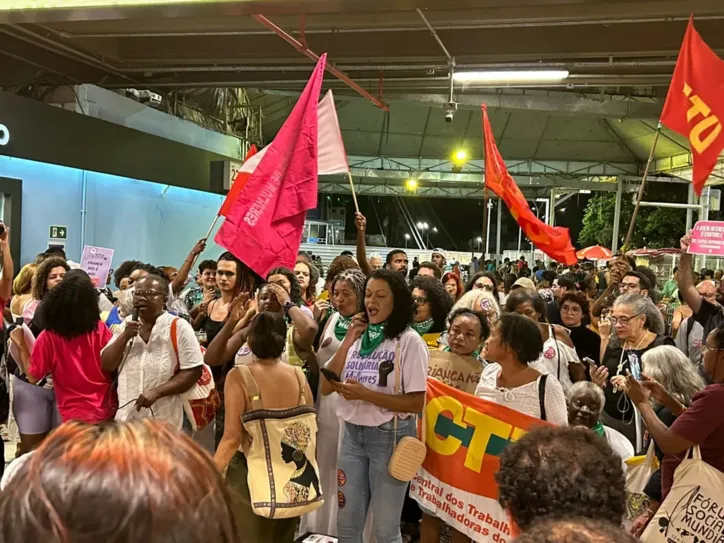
(341, 327)
(423, 327)
(299, 471)
(372, 338)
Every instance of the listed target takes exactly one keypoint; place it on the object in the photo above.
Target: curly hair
(401, 315)
(577, 297)
(522, 336)
(124, 270)
(295, 290)
(575, 530)
(479, 315)
(440, 301)
(71, 309)
(561, 472)
(311, 293)
(40, 281)
(338, 265)
(138, 481)
(357, 281)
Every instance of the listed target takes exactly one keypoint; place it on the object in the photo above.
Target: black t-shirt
(587, 343)
(709, 316)
(616, 406)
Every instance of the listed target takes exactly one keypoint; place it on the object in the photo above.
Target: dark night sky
(462, 218)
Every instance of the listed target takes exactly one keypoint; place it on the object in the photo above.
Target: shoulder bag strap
(542, 396)
(302, 380)
(396, 362)
(174, 343)
(252, 390)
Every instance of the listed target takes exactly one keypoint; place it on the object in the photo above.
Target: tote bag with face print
(693, 511)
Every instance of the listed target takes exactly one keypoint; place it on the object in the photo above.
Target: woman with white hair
(637, 327)
(585, 406)
(480, 300)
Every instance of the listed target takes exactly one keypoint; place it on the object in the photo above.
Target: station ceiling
(620, 55)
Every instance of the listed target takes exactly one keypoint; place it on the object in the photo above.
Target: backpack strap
(302, 380)
(174, 343)
(252, 389)
(542, 396)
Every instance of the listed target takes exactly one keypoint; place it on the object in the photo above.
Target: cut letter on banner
(695, 104)
(264, 225)
(465, 436)
(555, 241)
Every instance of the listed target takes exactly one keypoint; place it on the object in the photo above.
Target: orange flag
(695, 104)
(555, 241)
(239, 183)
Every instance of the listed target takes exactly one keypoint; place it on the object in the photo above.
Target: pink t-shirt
(82, 389)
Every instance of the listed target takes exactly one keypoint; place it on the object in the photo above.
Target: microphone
(134, 317)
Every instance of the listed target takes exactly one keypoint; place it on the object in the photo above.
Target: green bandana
(372, 338)
(423, 327)
(341, 327)
(474, 354)
(599, 429)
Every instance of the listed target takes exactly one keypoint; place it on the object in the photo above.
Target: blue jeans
(363, 482)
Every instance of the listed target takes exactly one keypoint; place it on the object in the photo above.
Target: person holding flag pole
(694, 108)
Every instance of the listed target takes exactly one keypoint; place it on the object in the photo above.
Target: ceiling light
(461, 155)
(524, 76)
(411, 184)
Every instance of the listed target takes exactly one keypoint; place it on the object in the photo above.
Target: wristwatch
(288, 306)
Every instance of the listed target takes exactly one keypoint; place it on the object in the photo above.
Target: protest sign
(96, 262)
(465, 436)
(707, 238)
(461, 372)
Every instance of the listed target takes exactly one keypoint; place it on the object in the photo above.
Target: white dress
(555, 359)
(525, 399)
(152, 364)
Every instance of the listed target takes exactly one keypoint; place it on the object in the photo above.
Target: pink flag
(331, 157)
(264, 226)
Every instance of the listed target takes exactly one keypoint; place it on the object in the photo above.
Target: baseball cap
(523, 282)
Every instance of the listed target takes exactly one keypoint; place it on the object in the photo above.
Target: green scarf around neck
(598, 428)
(423, 327)
(372, 338)
(341, 327)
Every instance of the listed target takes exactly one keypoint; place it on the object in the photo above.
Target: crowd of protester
(325, 372)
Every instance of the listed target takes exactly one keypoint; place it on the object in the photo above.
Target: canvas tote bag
(693, 511)
(639, 470)
(283, 473)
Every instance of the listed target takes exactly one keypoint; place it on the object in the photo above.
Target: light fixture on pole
(510, 76)
(480, 242)
(407, 238)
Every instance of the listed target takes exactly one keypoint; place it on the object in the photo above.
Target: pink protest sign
(96, 262)
(707, 238)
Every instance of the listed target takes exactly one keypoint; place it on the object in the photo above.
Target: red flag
(264, 225)
(555, 241)
(695, 103)
(239, 183)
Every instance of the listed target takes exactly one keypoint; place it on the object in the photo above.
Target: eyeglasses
(623, 321)
(571, 309)
(146, 294)
(483, 286)
(419, 300)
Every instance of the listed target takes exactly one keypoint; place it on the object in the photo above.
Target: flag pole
(484, 244)
(206, 238)
(641, 189)
(354, 196)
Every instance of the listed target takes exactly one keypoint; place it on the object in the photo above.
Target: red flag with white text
(264, 225)
(695, 104)
(555, 241)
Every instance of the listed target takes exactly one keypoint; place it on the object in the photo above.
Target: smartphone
(590, 363)
(2, 228)
(330, 375)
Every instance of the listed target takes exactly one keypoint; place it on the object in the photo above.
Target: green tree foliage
(656, 228)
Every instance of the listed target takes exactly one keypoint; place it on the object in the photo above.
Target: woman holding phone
(377, 342)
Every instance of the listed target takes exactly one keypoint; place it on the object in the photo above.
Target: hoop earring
(297, 455)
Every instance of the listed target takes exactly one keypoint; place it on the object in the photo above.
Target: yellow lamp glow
(411, 184)
(460, 156)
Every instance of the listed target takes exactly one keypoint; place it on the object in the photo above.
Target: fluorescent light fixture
(17, 5)
(511, 76)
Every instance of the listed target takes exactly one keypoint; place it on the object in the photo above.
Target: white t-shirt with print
(152, 364)
(555, 359)
(414, 357)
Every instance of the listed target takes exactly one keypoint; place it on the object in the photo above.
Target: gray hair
(586, 386)
(674, 371)
(479, 300)
(642, 305)
(375, 255)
